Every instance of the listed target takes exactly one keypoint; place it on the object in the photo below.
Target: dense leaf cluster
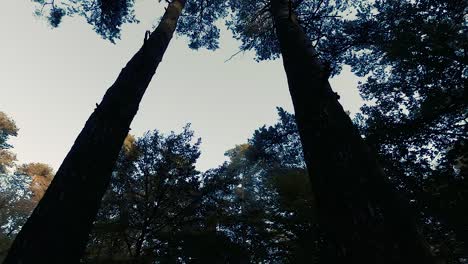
(105, 16)
(21, 186)
(251, 209)
(258, 207)
(413, 54)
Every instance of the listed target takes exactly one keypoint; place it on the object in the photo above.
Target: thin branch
(48, 3)
(233, 55)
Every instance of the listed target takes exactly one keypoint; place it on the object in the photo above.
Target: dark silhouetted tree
(364, 220)
(268, 211)
(58, 229)
(413, 54)
(254, 208)
(157, 205)
(151, 198)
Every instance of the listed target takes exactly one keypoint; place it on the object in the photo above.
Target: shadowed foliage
(413, 56)
(41, 175)
(20, 186)
(106, 16)
(309, 189)
(197, 22)
(7, 129)
(356, 205)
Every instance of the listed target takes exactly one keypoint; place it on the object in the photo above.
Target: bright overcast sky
(50, 81)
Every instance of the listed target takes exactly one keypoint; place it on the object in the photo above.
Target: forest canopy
(388, 186)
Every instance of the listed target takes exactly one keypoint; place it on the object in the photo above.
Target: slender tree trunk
(361, 215)
(58, 229)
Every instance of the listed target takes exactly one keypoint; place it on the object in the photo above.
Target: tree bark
(364, 220)
(58, 229)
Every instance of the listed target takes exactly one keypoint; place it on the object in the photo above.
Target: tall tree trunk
(362, 217)
(58, 229)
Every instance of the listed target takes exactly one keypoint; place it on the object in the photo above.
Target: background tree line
(21, 185)
(256, 207)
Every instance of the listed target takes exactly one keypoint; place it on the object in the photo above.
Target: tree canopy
(259, 207)
(21, 185)
(415, 67)
(7, 129)
(251, 209)
(197, 23)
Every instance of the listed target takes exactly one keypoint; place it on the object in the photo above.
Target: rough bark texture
(362, 217)
(58, 229)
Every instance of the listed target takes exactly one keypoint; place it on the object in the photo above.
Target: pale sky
(51, 79)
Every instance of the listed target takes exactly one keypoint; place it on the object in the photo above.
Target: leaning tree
(364, 219)
(58, 228)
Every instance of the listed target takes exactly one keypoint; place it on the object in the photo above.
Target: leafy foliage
(106, 16)
(153, 196)
(198, 23)
(14, 191)
(413, 54)
(257, 207)
(7, 129)
(279, 145)
(270, 211)
(19, 190)
(251, 209)
(252, 23)
(41, 176)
